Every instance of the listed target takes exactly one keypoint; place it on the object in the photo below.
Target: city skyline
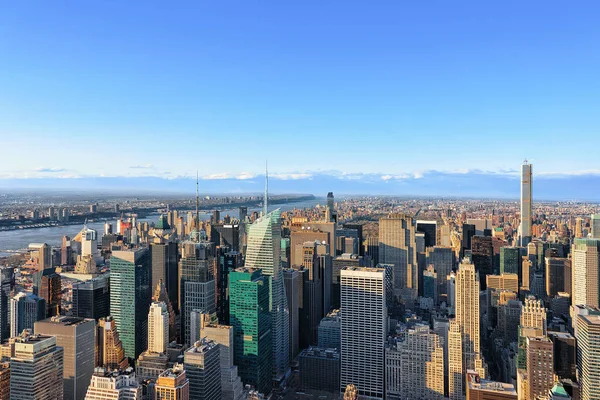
(255, 78)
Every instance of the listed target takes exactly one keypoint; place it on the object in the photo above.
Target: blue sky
(390, 89)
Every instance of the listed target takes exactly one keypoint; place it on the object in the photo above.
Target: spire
(266, 196)
(197, 208)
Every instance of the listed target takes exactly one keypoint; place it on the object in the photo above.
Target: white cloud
(222, 175)
(292, 176)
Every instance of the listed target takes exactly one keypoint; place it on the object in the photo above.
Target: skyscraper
(540, 366)
(196, 283)
(397, 247)
(482, 255)
(595, 226)
(7, 283)
(363, 332)
(25, 310)
(467, 311)
(586, 272)
(526, 183)
(442, 260)
(415, 366)
(77, 338)
(232, 387)
(264, 253)
(203, 369)
(172, 384)
(47, 285)
(160, 295)
(91, 299)
(588, 356)
(312, 294)
(158, 327)
(130, 294)
(465, 327)
(36, 370)
(510, 260)
(292, 282)
(164, 263)
(251, 321)
(109, 348)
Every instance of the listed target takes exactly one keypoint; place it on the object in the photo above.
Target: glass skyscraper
(264, 252)
(251, 321)
(130, 296)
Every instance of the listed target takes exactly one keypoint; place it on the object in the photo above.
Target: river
(20, 239)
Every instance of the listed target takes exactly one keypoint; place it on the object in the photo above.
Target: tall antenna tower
(266, 196)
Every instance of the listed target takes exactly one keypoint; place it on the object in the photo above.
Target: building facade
(363, 330)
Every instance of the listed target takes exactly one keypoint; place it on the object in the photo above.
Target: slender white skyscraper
(526, 203)
(158, 327)
(363, 329)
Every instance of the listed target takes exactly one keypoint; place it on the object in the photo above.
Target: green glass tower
(251, 321)
(510, 258)
(130, 296)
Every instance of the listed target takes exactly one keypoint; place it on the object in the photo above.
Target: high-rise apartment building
(540, 366)
(158, 327)
(586, 272)
(107, 384)
(203, 369)
(25, 310)
(397, 246)
(251, 321)
(130, 294)
(364, 329)
(109, 348)
(588, 355)
(172, 384)
(264, 252)
(196, 283)
(36, 369)
(77, 338)
(526, 214)
(91, 299)
(415, 366)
